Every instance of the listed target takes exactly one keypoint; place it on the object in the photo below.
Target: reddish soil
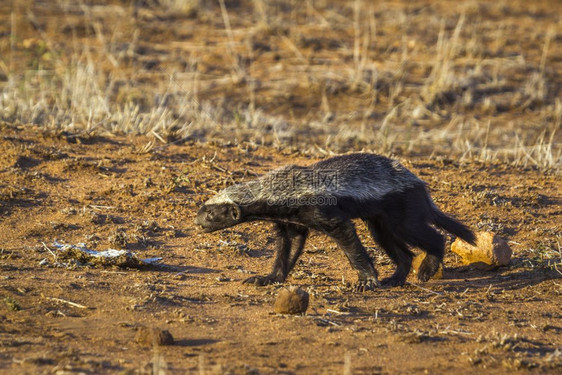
(456, 80)
(108, 192)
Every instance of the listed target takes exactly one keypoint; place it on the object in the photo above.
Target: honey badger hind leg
(433, 244)
(421, 235)
(396, 249)
(290, 243)
(412, 225)
(342, 231)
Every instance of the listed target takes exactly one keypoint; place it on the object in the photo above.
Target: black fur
(391, 200)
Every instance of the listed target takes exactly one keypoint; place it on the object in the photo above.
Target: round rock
(292, 300)
(147, 336)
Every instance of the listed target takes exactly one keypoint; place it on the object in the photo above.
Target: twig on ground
(49, 250)
(73, 304)
(422, 288)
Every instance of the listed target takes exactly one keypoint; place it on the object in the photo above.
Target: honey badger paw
(425, 273)
(393, 281)
(260, 280)
(428, 268)
(370, 283)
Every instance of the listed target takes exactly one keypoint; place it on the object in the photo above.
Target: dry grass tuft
(459, 82)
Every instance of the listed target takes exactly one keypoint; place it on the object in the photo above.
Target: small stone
(98, 219)
(153, 337)
(292, 300)
(416, 262)
(490, 249)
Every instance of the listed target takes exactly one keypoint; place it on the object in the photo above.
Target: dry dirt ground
(465, 93)
(110, 193)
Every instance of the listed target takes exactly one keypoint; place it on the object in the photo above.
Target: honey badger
(326, 196)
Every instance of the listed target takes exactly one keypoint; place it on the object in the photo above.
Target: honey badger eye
(209, 216)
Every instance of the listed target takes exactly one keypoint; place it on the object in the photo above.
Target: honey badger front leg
(290, 243)
(298, 235)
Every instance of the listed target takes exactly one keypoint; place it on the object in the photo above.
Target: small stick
(556, 268)
(218, 168)
(158, 136)
(422, 288)
(49, 250)
(114, 272)
(451, 331)
(329, 322)
(337, 312)
(172, 143)
(74, 304)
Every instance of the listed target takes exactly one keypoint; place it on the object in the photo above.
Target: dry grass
(466, 81)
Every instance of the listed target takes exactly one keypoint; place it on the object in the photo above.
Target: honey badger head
(225, 209)
(212, 217)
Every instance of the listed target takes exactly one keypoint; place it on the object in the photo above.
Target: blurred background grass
(463, 80)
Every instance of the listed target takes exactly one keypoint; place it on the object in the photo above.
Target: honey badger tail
(452, 226)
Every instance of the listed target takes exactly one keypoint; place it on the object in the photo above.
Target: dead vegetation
(118, 118)
(474, 81)
(55, 305)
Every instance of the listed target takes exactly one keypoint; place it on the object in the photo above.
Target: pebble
(291, 300)
(147, 336)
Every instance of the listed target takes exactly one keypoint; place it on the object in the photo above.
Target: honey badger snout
(199, 220)
(218, 216)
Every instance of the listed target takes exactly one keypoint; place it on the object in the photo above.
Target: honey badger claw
(367, 284)
(260, 280)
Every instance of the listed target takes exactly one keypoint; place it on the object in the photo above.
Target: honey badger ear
(235, 212)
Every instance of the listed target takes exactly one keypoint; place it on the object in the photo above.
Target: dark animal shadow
(200, 270)
(163, 267)
(195, 342)
(473, 276)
